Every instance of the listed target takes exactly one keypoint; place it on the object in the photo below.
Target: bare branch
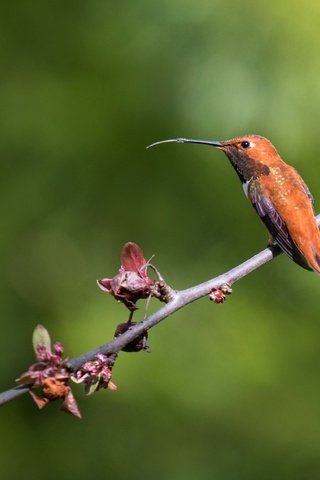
(13, 393)
(179, 300)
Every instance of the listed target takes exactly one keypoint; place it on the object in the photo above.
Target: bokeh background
(228, 392)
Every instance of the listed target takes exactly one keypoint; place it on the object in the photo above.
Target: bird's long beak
(213, 143)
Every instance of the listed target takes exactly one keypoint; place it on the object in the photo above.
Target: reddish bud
(49, 374)
(218, 295)
(94, 374)
(132, 282)
(58, 349)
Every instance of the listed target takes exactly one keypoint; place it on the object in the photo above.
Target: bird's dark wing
(275, 224)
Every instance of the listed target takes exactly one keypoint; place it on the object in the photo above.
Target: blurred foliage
(229, 392)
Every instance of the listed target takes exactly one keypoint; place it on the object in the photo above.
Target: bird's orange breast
(286, 190)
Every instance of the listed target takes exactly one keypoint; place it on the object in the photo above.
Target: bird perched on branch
(277, 193)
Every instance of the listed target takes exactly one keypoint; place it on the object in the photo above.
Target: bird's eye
(245, 144)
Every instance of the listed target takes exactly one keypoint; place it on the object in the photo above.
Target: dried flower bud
(49, 374)
(95, 374)
(132, 282)
(139, 343)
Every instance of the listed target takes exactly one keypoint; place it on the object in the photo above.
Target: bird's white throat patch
(245, 187)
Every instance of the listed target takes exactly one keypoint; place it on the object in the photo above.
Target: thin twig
(180, 300)
(13, 393)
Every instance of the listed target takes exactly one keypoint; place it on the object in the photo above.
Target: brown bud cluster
(218, 295)
(95, 374)
(49, 375)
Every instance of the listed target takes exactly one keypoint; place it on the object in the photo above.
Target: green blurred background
(228, 392)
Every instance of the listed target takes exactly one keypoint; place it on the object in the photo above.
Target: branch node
(162, 290)
(218, 295)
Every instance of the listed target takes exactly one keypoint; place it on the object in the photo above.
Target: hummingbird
(277, 193)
